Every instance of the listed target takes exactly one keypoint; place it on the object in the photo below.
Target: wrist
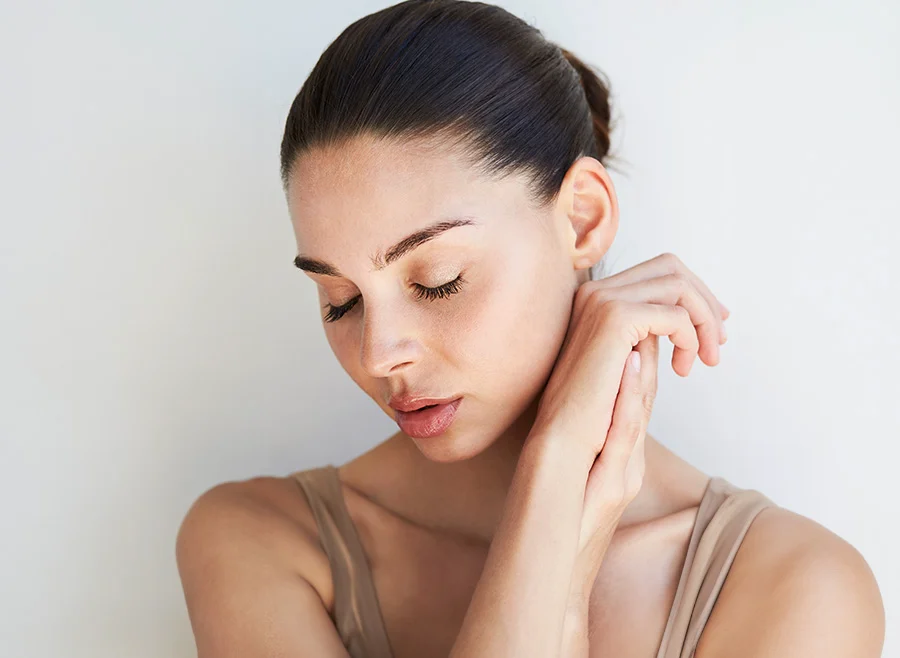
(546, 444)
(575, 633)
(578, 606)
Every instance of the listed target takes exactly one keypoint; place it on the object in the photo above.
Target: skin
(256, 580)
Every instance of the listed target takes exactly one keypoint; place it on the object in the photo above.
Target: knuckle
(596, 295)
(678, 280)
(636, 391)
(632, 429)
(616, 316)
(612, 311)
(647, 400)
(601, 295)
(584, 290)
(672, 261)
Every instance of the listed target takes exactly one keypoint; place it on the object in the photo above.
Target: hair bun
(597, 91)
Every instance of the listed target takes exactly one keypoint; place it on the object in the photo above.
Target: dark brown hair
(470, 75)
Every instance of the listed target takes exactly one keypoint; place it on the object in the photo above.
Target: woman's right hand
(595, 408)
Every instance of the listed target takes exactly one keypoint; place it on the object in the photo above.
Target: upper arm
(795, 589)
(236, 558)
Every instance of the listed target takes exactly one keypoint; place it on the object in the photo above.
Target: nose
(388, 343)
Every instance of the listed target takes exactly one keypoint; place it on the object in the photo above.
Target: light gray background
(155, 338)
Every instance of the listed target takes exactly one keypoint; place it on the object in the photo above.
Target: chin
(450, 447)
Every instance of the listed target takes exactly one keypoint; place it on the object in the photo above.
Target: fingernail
(636, 361)
(724, 336)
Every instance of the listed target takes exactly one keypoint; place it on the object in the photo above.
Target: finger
(661, 265)
(606, 481)
(648, 269)
(649, 351)
(628, 420)
(620, 326)
(710, 298)
(635, 466)
(664, 320)
(678, 290)
(624, 443)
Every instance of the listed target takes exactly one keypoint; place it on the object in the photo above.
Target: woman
(443, 168)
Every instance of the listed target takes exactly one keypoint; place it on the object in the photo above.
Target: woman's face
(492, 338)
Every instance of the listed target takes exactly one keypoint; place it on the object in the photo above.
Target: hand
(665, 279)
(593, 405)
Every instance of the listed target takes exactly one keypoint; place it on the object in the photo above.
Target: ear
(588, 209)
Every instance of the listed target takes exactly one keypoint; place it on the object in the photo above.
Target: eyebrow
(381, 260)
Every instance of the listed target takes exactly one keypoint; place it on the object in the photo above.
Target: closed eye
(335, 313)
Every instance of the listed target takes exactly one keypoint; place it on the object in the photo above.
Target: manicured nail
(636, 361)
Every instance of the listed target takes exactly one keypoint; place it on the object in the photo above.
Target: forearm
(575, 639)
(521, 606)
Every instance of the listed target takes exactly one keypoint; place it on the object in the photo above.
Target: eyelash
(335, 313)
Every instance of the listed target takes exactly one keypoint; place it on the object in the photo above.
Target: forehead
(368, 171)
(371, 190)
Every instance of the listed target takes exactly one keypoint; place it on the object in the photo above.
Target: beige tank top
(725, 514)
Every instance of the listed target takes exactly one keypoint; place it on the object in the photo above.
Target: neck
(466, 497)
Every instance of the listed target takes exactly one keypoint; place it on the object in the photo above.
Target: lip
(426, 423)
(408, 402)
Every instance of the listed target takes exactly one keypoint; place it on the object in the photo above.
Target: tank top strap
(725, 515)
(357, 613)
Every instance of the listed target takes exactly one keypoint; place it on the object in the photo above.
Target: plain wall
(156, 338)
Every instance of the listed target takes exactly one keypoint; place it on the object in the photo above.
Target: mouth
(429, 420)
(410, 403)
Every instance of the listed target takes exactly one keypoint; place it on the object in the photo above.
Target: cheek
(343, 339)
(513, 336)
(345, 350)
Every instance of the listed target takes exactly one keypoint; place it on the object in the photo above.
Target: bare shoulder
(253, 572)
(264, 514)
(795, 588)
